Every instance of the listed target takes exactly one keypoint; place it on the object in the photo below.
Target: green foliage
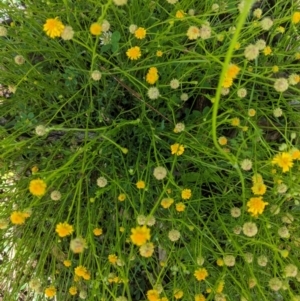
(77, 113)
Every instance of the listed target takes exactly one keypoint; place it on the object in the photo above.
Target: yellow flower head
(67, 263)
(80, 271)
(220, 287)
(257, 179)
(283, 160)
(294, 79)
(73, 290)
(76, 278)
(233, 71)
(201, 274)
(50, 291)
(140, 184)
(152, 76)
(193, 33)
(251, 112)
(166, 202)
(134, 53)
(235, 121)
(296, 17)
(122, 197)
(180, 14)
(228, 81)
(256, 206)
(295, 153)
(267, 50)
(97, 231)
(53, 28)
(177, 149)
(259, 188)
(178, 294)
(153, 295)
(186, 194)
(140, 33)
(237, 46)
(284, 253)
(180, 207)
(64, 229)
(18, 217)
(220, 262)
(37, 187)
(96, 29)
(200, 297)
(222, 140)
(34, 169)
(273, 171)
(140, 235)
(86, 276)
(159, 53)
(112, 258)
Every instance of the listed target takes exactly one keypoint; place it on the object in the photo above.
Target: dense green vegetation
(149, 150)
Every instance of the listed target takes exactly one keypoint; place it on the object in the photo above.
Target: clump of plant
(150, 150)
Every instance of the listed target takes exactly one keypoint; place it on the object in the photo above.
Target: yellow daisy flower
(53, 27)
